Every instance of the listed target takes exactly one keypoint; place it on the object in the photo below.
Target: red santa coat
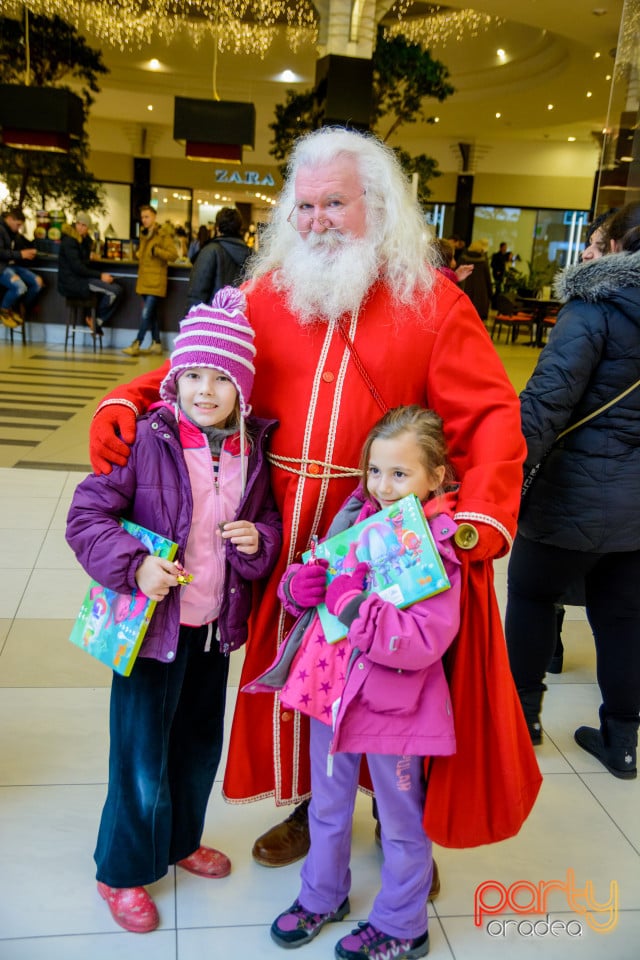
(437, 354)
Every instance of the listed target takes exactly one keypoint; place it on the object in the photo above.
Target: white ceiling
(551, 48)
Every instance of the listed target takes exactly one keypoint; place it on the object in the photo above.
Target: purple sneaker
(368, 943)
(297, 926)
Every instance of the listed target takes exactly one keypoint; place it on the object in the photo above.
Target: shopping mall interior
(572, 874)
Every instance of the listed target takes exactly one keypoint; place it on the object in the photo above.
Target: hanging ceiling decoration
(431, 24)
(39, 118)
(214, 130)
(240, 26)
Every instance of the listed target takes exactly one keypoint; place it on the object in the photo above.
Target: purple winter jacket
(154, 490)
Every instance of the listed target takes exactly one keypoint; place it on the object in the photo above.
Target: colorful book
(111, 626)
(404, 562)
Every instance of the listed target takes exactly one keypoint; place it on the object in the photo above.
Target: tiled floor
(53, 752)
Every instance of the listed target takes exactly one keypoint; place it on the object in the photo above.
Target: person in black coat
(220, 263)
(78, 280)
(579, 518)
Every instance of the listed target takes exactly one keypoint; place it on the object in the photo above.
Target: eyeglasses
(332, 216)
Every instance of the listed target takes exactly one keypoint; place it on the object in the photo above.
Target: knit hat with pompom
(216, 335)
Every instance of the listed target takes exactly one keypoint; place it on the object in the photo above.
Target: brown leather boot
(286, 842)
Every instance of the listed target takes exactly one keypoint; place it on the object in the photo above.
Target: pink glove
(346, 587)
(308, 585)
(112, 431)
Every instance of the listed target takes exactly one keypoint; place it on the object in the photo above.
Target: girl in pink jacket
(381, 691)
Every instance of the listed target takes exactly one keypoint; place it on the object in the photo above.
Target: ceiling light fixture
(571, 139)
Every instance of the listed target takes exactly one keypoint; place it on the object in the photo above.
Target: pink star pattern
(317, 675)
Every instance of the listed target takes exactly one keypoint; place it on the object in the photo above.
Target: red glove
(112, 431)
(345, 588)
(308, 585)
(491, 544)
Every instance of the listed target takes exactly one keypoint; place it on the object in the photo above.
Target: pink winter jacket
(395, 698)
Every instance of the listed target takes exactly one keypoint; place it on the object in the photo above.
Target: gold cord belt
(313, 469)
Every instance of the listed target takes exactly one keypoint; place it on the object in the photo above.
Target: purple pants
(400, 908)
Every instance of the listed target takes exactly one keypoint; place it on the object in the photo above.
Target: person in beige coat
(157, 250)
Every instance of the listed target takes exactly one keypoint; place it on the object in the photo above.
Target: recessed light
(571, 139)
(549, 106)
(436, 119)
(498, 115)
(599, 11)
(596, 55)
(608, 76)
(149, 106)
(589, 94)
(501, 54)
(154, 64)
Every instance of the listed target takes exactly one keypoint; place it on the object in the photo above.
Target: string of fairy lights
(441, 26)
(240, 26)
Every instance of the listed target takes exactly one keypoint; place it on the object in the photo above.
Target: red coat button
(328, 377)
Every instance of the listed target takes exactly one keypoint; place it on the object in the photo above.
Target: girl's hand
(155, 576)
(243, 535)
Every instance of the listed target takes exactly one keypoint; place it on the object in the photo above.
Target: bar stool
(77, 310)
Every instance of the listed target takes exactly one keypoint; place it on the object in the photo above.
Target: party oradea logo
(529, 901)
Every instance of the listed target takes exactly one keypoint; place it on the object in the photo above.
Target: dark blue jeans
(166, 728)
(539, 575)
(149, 319)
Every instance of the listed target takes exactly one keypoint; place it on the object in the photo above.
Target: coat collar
(599, 279)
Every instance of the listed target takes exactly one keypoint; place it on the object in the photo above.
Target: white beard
(327, 275)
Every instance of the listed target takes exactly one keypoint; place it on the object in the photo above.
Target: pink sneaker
(131, 907)
(207, 862)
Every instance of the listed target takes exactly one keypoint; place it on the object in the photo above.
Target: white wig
(395, 223)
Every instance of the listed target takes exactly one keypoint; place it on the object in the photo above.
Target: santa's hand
(111, 433)
(480, 541)
(345, 588)
(308, 585)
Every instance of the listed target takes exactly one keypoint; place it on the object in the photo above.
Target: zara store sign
(245, 177)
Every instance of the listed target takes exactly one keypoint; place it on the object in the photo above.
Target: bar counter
(50, 315)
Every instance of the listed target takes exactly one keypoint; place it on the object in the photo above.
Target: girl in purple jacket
(198, 475)
(381, 691)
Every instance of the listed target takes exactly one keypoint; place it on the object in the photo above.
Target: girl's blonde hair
(424, 424)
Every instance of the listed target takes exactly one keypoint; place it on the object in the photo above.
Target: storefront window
(114, 222)
(541, 241)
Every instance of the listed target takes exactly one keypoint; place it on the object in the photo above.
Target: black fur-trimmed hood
(599, 279)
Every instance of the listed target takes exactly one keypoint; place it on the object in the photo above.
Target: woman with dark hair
(202, 238)
(577, 520)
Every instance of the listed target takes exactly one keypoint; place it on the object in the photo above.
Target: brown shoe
(435, 882)
(286, 842)
(435, 879)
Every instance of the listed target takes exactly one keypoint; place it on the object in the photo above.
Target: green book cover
(403, 560)
(111, 626)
